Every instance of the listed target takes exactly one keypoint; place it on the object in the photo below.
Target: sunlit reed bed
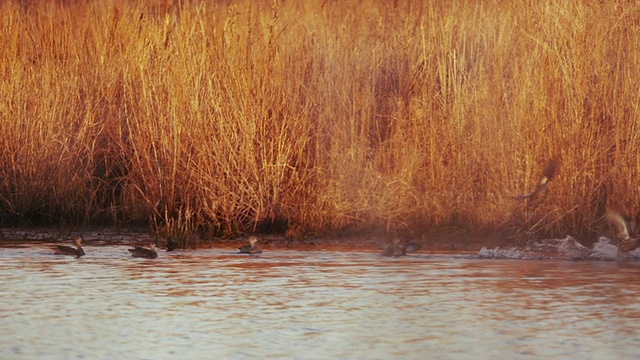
(316, 117)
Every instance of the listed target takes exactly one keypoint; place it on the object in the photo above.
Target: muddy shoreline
(441, 240)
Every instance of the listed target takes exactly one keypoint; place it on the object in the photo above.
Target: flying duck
(550, 171)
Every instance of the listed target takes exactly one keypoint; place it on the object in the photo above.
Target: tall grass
(318, 116)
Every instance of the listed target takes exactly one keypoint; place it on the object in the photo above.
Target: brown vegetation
(318, 116)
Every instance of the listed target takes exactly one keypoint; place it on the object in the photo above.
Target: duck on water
(251, 248)
(68, 250)
(140, 252)
(398, 247)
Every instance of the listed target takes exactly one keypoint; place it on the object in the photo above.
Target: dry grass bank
(318, 115)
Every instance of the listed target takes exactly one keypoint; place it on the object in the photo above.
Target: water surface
(313, 305)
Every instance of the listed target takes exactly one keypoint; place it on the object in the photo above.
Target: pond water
(213, 303)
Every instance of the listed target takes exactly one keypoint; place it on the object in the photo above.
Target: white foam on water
(571, 249)
(567, 248)
(604, 250)
(497, 253)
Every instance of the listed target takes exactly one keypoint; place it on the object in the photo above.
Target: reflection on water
(313, 304)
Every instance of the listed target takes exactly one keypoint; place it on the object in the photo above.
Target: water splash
(604, 250)
(568, 248)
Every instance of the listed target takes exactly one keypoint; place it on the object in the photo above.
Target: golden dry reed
(318, 116)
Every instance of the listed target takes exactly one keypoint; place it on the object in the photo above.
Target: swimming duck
(412, 247)
(251, 248)
(141, 252)
(550, 171)
(623, 228)
(398, 247)
(68, 250)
